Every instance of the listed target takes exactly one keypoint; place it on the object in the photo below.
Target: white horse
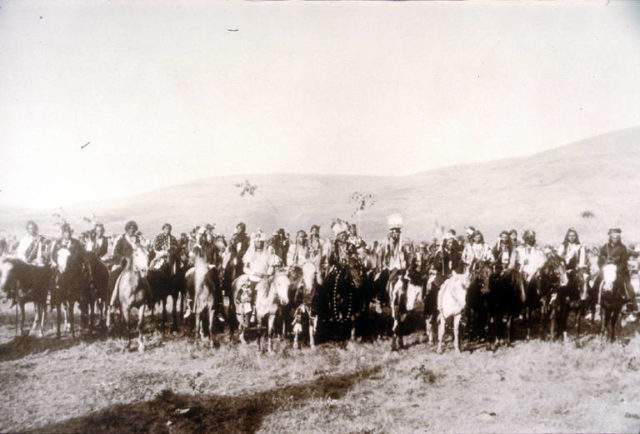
(271, 295)
(132, 290)
(452, 300)
(398, 297)
(308, 284)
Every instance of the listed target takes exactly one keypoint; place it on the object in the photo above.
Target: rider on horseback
(30, 246)
(165, 248)
(476, 251)
(573, 253)
(393, 257)
(123, 249)
(614, 252)
(298, 252)
(259, 263)
(99, 242)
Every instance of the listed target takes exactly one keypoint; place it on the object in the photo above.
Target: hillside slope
(548, 191)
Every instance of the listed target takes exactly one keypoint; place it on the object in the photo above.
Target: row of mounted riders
(340, 301)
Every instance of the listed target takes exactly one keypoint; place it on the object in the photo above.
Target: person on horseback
(259, 263)
(614, 252)
(99, 242)
(476, 251)
(393, 258)
(504, 253)
(529, 256)
(299, 251)
(65, 241)
(318, 248)
(573, 253)
(165, 248)
(341, 250)
(238, 246)
(30, 247)
(124, 248)
(513, 237)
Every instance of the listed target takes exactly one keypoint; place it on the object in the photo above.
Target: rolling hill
(548, 192)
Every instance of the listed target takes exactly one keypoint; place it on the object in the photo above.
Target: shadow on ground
(171, 412)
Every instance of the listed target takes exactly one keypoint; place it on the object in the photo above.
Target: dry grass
(99, 385)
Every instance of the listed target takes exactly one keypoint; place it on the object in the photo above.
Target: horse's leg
(212, 325)
(140, 324)
(427, 326)
(58, 318)
(174, 312)
(456, 332)
(313, 326)
(270, 328)
(400, 330)
(22, 316)
(164, 313)
(552, 324)
(441, 327)
(72, 306)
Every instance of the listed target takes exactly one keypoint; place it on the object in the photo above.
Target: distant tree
(587, 215)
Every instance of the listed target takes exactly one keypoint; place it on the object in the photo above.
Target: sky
(169, 92)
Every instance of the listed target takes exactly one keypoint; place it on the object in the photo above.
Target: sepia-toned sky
(166, 93)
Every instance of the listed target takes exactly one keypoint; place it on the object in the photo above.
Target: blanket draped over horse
(340, 300)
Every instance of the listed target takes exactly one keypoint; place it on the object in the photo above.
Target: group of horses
(341, 301)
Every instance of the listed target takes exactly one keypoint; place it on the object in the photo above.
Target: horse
(272, 295)
(545, 282)
(71, 286)
(132, 290)
(26, 283)
(612, 299)
(305, 282)
(452, 299)
(207, 296)
(506, 298)
(477, 297)
(165, 283)
(339, 297)
(98, 286)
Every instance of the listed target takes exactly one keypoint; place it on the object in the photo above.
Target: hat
(615, 231)
(339, 226)
(394, 221)
(448, 236)
(529, 233)
(470, 231)
(210, 227)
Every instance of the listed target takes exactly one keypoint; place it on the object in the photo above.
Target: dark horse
(577, 296)
(25, 283)
(72, 285)
(612, 298)
(165, 282)
(477, 306)
(339, 298)
(505, 301)
(98, 287)
(544, 287)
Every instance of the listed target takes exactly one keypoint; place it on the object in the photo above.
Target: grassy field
(97, 384)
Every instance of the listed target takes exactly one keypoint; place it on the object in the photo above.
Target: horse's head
(481, 272)
(355, 271)
(7, 272)
(63, 259)
(414, 292)
(140, 260)
(281, 284)
(609, 277)
(554, 271)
